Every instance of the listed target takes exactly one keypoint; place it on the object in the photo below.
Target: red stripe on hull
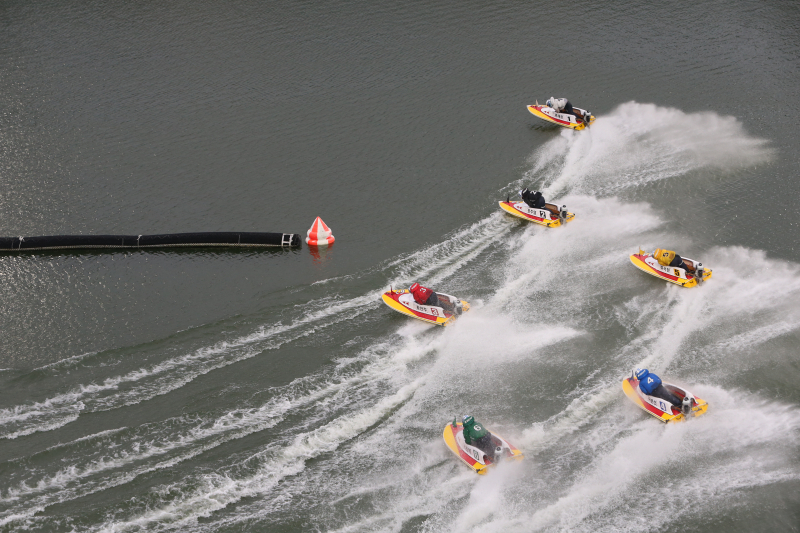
(461, 453)
(657, 272)
(558, 120)
(526, 215)
(647, 405)
(432, 318)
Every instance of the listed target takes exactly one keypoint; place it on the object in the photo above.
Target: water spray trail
(637, 144)
(435, 263)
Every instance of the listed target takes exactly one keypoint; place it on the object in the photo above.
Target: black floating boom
(134, 242)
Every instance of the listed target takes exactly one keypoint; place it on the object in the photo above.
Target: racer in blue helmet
(650, 384)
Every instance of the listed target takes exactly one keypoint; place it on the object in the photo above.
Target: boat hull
(473, 457)
(543, 217)
(658, 408)
(562, 119)
(647, 263)
(403, 302)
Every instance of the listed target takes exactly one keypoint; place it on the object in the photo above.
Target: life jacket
(473, 431)
(420, 293)
(649, 383)
(558, 104)
(533, 198)
(664, 257)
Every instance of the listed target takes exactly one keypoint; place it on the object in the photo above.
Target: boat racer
(477, 435)
(650, 384)
(425, 296)
(670, 259)
(534, 199)
(562, 105)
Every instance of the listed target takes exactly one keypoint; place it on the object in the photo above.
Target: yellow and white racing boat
(646, 262)
(562, 119)
(475, 458)
(661, 409)
(402, 301)
(551, 216)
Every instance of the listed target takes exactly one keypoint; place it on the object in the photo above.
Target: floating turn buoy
(319, 234)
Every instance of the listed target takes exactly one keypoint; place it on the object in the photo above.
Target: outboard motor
(563, 214)
(698, 272)
(459, 307)
(498, 453)
(686, 406)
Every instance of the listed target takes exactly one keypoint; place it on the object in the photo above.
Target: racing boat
(403, 302)
(567, 120)
(662, 409)
(645, 261)
(475, 458)
(551, 216)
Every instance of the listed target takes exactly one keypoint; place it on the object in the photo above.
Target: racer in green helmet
(477, 435)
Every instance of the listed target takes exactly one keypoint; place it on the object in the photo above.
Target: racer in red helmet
(425, 296)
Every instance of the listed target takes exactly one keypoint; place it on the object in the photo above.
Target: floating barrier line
(134, 242)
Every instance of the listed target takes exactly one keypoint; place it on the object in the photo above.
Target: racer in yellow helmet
(670, 259)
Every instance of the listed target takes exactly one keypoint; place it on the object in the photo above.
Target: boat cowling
(699, 272)
(686, 405)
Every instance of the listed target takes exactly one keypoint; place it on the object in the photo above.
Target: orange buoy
(319, 234)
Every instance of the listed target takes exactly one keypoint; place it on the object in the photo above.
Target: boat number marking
(525, 208)
(475, 455)
(666, 270)
(663, 406)
(423, 308)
